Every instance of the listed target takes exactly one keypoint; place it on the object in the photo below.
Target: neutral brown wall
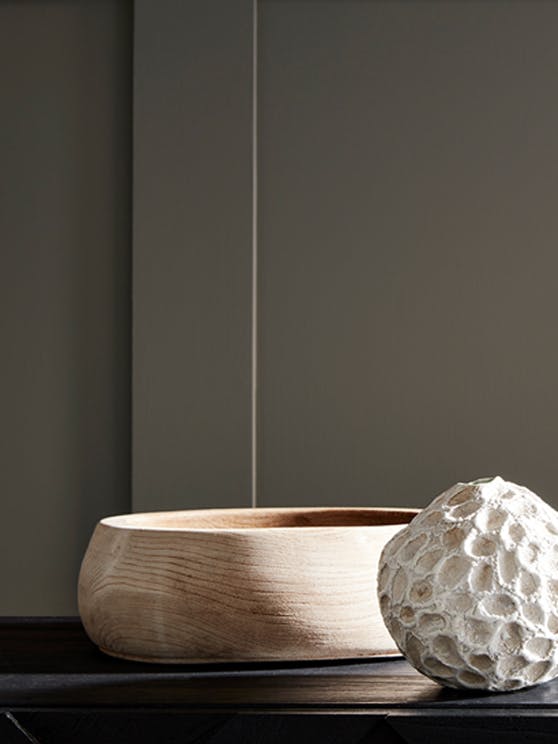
(192, 253)
(408, 232)
(406, 260)
(65, 76)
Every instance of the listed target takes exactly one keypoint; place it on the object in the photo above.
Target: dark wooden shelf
(56, 686)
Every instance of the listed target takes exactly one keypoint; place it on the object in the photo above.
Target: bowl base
(243, 660)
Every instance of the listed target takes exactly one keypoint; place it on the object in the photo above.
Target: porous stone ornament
(469, 589)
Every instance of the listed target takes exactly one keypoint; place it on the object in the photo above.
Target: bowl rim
(147, 521)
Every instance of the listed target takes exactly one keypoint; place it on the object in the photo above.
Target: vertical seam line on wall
(254, 329)
(131, 348)
(131, 270)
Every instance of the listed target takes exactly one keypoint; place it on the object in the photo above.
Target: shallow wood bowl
(225, 585)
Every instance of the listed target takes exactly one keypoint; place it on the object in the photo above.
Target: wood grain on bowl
(238, 584)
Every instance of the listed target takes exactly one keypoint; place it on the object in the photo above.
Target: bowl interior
(233, 519)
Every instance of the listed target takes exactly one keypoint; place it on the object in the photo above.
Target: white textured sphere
(469, 589)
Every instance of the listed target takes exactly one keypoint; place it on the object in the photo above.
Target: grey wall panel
(408, 231)
(65, 70)
(192, 254)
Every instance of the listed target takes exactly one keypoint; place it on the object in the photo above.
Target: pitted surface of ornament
(469, 589)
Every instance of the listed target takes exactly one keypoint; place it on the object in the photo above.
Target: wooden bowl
(226, 585)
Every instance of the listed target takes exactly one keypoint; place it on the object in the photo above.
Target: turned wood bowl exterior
(224, 585)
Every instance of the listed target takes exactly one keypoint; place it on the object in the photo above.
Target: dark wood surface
(56, 686)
